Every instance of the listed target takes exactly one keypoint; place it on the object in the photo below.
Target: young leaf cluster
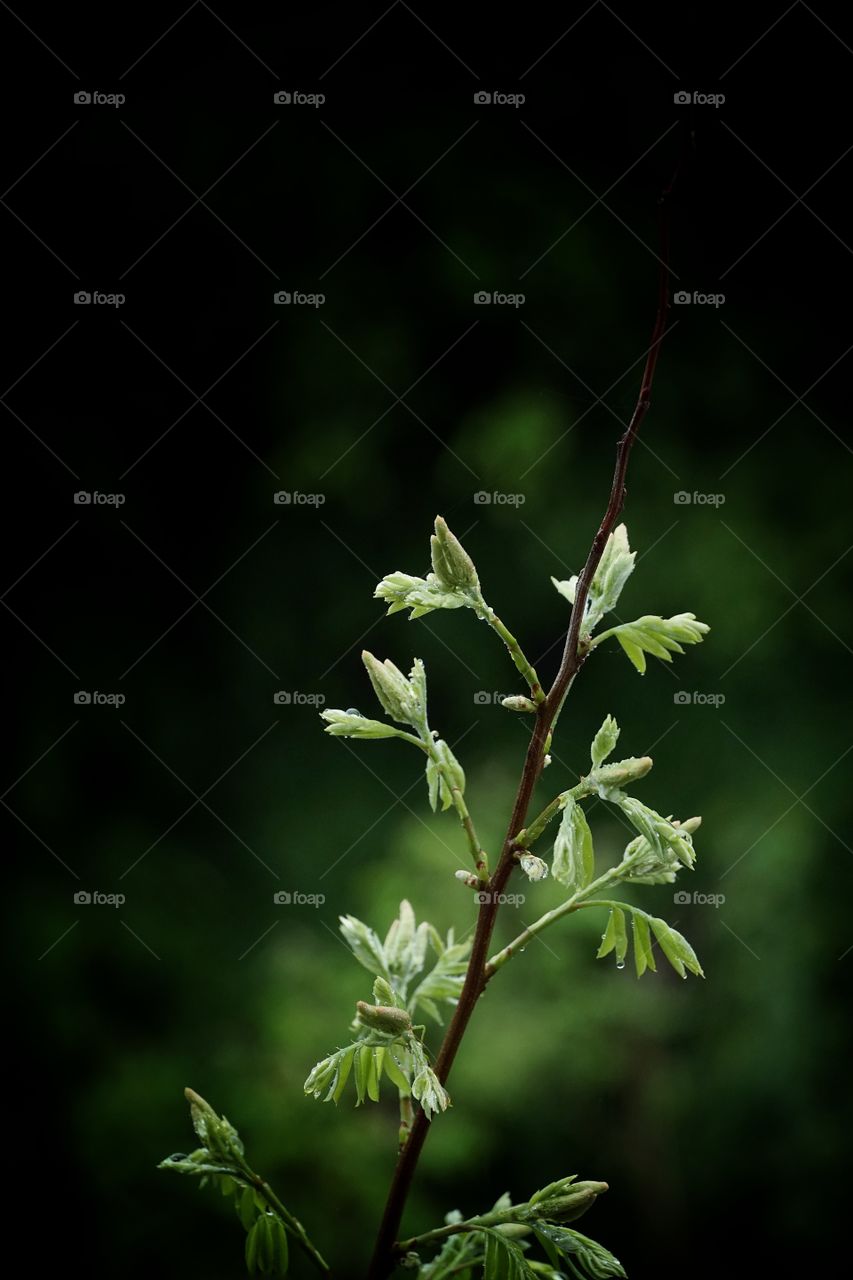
(389, 1044)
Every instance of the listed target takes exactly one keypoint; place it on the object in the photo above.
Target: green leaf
(253, 1243)
(383, 992)
(615, 937)
(579, 1250)
(453, 773)
(365, 946)
(614, 569)
(399, 936)
(643, 955)
(426, 1086)
(279, 1253)
(394, 1071)
(247, 1209)
(342, 1074)
(444, 981)
(664, 847)
(676, 948)
(573, 861)
(661, 637)
(422, 595)
(374, 1070)
(346, 724)
(364, 1064)
(433, 777)
(604, 741)
(504, 1258)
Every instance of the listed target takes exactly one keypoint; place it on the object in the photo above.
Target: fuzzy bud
(385, 1018)
(451, 563)
(517, 702)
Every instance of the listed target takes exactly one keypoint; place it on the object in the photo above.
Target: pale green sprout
(661, 637)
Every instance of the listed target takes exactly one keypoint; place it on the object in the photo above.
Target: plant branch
(575, 903)
(478, 853)
(477, 977)
(292, 1223)
(522, 664)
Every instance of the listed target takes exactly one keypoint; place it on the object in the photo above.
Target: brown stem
(574, 654)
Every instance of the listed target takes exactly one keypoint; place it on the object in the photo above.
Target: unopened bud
(451, 563)
(517, 702)
(382, 1017)
(689, 825)
(623, 771)
(390, 686)
(467, 878)
(215, 1132)
(576, 1201)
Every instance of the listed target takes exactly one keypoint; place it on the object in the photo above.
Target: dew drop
(620, 964)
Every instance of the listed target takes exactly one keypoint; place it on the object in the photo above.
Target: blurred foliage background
(718, 1111)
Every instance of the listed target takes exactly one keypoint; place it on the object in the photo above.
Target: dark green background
(718, 1110)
